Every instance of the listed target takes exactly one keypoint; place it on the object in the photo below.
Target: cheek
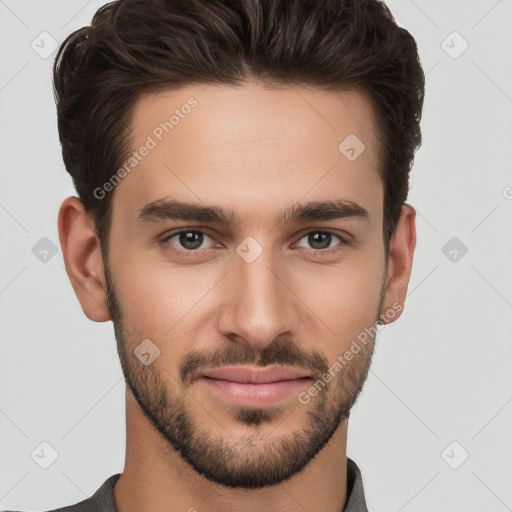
(159, 301)
(142, 293)
(346, 297)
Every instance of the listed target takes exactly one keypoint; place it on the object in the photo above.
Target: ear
(82, 257)
(401, 251)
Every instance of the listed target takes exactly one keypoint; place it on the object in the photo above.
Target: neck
(155, 477)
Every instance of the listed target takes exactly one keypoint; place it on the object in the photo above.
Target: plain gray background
(441, 374)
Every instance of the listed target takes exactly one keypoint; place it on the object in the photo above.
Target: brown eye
(322, 240)
(187, 240)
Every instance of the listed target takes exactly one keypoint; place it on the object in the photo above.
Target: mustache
(279, 352)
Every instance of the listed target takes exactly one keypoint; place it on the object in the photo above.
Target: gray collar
(356, 501)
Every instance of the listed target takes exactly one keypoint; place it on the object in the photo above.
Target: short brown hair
(134, 47)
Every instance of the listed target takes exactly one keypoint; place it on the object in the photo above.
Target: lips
(256, 375)
(245, 386)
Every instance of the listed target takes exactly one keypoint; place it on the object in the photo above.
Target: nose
(258, 302)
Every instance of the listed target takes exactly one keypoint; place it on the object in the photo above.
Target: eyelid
(346, 237)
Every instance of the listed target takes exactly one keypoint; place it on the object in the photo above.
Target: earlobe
(83, 259)
(401, 252)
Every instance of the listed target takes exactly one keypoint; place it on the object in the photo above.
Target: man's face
(263, 290)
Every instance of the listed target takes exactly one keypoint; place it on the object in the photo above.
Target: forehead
(243, 114)
(252, 144)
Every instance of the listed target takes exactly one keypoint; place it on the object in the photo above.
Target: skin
(258, 151)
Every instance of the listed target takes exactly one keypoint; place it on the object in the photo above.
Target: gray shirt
(103, 499)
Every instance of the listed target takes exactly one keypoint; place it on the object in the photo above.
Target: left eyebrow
(165, 209)
(322, 210)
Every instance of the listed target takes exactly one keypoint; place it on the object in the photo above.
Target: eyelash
(197, 252)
